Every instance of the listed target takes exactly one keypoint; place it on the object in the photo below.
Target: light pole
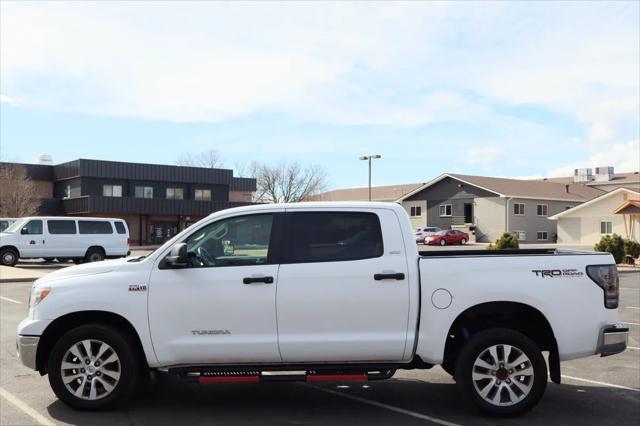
(370, 157)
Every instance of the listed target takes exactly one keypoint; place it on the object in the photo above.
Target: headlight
(38, 294)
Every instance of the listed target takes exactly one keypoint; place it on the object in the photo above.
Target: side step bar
(265, 376)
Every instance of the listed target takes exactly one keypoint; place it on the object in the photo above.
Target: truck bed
(507, 252)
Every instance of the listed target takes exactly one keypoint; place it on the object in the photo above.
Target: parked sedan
(447, 236)
(422, 233)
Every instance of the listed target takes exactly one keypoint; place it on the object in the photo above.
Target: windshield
(15, 226)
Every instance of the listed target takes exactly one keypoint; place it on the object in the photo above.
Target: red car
(447, 236)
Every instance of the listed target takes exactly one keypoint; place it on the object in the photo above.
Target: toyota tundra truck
(320, 292)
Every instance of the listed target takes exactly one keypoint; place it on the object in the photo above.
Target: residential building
(157, 201)
(615, 212)
(387, 193)
(491, 206)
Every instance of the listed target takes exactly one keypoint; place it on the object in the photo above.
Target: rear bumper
(27, 348)
(613, 340)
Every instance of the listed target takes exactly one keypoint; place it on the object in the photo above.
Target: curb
(17, 280)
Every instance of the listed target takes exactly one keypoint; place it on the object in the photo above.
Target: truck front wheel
(502, 372)
(93, 367)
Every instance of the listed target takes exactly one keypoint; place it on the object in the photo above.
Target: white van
(87, 239)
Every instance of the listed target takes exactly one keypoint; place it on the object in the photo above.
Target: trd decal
(137, 287)
(557, 273)
(208, 332)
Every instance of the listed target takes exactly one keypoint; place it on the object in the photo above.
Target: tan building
(610, 213)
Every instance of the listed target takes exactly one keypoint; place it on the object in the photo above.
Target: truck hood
(83, 270)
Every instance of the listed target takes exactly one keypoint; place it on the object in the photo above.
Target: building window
(202, 194)
(542, 236)
(606, 227)
(416, 211)
(144, 191)
(445, 210)
(521, 235)
(518, 209)
(175, 193)
(543, 209)
(112, 190)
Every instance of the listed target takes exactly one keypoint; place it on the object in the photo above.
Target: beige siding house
(587, 223)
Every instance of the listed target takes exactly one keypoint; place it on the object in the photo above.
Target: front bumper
(613, 340)
(27, 348)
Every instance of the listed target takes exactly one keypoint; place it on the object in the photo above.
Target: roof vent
(582, 175)
(604, 174)
(44, 159)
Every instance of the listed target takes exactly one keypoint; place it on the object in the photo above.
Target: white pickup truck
(319, 292)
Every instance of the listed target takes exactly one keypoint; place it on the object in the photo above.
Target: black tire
(49, 259)
(94, 254)
(9, 256)
(129, 362)
(63, 259)
(480, 343)
(78, 260)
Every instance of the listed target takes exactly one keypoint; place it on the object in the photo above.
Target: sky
(513, 89)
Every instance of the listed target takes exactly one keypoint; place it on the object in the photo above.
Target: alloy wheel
(502, 375)
(90, 369)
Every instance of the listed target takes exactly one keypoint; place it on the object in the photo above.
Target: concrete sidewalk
(17, 274)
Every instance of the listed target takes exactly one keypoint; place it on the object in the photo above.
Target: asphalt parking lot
(603, 391)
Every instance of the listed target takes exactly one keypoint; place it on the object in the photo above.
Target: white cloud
(624, 157)
(485, 156)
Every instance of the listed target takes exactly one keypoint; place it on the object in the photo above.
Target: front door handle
(252, 280)
(391, 276)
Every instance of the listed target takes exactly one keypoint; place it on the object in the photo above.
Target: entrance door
(468, 212)
(331, 305)
(221, 308)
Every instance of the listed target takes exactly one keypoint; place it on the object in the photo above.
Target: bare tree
(210, 158)
(287, 183)
(18, 193)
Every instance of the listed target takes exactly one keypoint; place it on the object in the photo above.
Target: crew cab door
(343, 288)
(221, 307)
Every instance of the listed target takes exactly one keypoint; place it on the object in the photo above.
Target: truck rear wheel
(93, 367)
(502, 372)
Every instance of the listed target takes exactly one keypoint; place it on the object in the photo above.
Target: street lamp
(369, 158)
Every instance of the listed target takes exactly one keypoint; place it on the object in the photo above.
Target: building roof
(618, 179)
(519, 188)
(595, 200)
(378, 193)
(628, 207)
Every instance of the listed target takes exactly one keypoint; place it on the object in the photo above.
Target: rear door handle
(252, 280)
(392, 276)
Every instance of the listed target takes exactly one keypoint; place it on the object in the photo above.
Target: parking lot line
(630, 323)
(632, 307)
(385, 406)
(610, 385)
(633, 348)
(10, 300)
(22, 406)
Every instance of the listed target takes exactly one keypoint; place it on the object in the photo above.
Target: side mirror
(24, 231)
(178, 256)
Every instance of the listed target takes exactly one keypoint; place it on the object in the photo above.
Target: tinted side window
(61, 226)
(120, 229)
(334, 236)
(94, 227)
(34, 227)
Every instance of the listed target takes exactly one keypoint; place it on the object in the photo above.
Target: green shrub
(612, 244)
(506, 241)
(632, 248)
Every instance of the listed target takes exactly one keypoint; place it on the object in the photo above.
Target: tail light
(606, 276)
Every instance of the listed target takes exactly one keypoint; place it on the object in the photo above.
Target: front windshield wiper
(137, 259)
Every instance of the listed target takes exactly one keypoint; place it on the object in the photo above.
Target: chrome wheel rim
(502, 375)
(90, 369)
